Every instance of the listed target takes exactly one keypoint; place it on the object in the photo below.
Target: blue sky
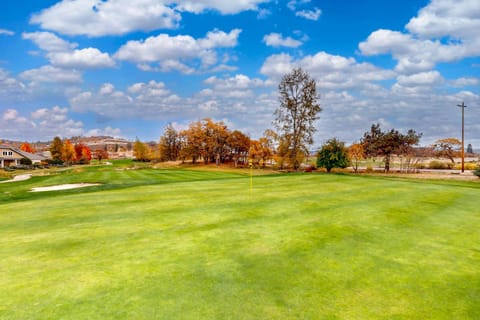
(128, 68)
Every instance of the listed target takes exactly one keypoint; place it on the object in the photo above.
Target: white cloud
(48, 41)
(310, 14)
(142, 100)
(238, 87)
(150, 89)
(99, 18)
(61, 53)
(263, 13)
(443, 31)
(465, 82)
(53, 75)
(175, 53)
(9, 86)
(44, 124)
(6, 32)
(238, 97)
(293, 4)
(10, 114)
(107, 131)
(89, 58)
(276, 40)
(95, 18)
(224, 7)
(454, 18)
(330, 71)
(430, 78)
(413, 55)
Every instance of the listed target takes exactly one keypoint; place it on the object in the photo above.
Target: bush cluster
(477, 172)
(440, 165)
(467, 166)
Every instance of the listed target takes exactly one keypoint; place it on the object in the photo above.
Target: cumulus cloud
(52, 74)
(293, 4)
(48, 41)
(247, 100)
(457, 19)
(95, 18)
(9, 86)
(174, 53)
(141, 100)
(330, 71)
(465, 82)
(237, 87)
(44, 124)
(277, 40)
(421, 79)
(413, 55)
(6, 32)
(224, 7)
(99, 18)
(61, 53)
(89, 58)
(310, 14)
(107, 131)
(443, 31)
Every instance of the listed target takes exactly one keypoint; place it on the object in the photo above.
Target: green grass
(189, 244)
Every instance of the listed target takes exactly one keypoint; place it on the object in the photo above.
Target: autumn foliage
(83, 154)
(27, 147)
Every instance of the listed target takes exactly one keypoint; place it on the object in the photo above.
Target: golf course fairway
(189, 244)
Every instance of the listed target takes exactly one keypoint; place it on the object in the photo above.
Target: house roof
(28, 155)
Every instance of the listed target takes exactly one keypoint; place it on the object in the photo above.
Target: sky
(127, 68)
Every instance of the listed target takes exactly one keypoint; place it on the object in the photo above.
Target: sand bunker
(64, 187)
(20, 177)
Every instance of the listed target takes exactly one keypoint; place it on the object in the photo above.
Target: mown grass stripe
(182, 244)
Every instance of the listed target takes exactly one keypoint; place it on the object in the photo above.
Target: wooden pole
(463, 106)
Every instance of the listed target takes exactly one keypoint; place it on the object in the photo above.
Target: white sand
(20, 177)
(64, 187)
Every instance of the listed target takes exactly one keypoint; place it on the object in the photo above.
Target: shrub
(420, 166)
(467, 166)
(369, 169)
(55, 162)
(26, 162)
(333, 154)
(477, 172)
(438, 165)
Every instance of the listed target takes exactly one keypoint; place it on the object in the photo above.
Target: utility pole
(463, 106)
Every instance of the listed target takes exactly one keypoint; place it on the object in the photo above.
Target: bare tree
(295, 117)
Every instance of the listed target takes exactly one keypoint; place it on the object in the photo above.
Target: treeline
(64, 152)
(208, 141)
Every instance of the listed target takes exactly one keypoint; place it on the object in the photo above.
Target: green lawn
(189, 244)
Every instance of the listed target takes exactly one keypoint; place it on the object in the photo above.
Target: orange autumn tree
(100, 155)
(27, 147)
(68, 152)
(356, 153)
(83, 155)
(239, 144)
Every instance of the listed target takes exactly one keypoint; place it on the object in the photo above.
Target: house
(10, 156)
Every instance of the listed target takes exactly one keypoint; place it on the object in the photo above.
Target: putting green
(177, 244)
